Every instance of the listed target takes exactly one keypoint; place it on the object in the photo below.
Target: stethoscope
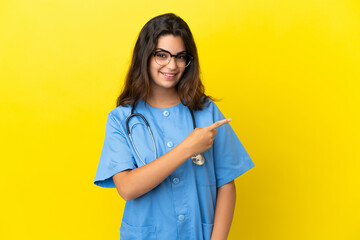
(197, 159)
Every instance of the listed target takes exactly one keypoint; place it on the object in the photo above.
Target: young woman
(168, 149)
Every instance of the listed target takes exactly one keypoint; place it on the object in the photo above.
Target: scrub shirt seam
(173, 203)
(171, 138)
(118, 125)
(223, 181)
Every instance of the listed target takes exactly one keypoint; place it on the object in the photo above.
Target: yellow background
(288, 75)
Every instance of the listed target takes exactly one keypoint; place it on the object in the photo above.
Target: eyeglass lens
(163, 58)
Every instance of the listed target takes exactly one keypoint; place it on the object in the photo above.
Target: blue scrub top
(183, 205)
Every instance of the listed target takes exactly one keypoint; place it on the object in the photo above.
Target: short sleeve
(230, 157)
(116, 155)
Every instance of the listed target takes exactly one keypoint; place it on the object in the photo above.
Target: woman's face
(167, 76)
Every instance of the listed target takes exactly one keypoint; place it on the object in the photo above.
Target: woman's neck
(163, 99)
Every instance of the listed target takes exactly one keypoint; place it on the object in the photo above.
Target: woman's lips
(168, 75)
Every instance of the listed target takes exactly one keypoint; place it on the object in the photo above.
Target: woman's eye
(181, 57)
(161, 55)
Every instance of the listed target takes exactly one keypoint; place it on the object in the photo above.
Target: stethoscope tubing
(129, 133)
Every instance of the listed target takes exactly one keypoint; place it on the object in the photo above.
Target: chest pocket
(128, 232)
(143, 143)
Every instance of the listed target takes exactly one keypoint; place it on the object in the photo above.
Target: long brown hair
(137, 84)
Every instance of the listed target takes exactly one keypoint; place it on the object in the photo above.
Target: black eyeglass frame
(171, 55)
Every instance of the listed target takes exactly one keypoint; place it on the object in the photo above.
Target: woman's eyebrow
(169, 51)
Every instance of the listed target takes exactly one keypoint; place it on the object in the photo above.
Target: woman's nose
(172, 64)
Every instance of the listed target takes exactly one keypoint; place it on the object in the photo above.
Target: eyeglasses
(163, 57)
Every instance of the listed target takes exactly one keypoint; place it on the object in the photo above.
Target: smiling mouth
(168, 74)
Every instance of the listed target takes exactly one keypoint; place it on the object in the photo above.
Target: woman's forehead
(171, 43)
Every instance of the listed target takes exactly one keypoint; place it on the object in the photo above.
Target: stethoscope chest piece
(198, 159)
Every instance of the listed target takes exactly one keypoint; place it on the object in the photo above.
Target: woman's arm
(224, 211)
(133, 183)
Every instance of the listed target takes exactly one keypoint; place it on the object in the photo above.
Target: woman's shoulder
(209, 105)
(120, 113)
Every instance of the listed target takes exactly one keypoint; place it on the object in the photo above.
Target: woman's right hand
(201, 139)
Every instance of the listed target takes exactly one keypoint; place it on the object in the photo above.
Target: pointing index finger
(218, 123)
